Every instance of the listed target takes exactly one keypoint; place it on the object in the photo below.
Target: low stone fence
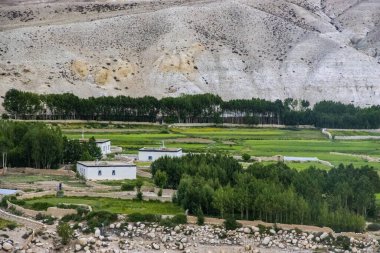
(35, 225)
(118, 195)
(59, 212)
(52, 211)
(26, 212)
(36, 194)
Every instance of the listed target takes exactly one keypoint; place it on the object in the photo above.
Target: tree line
(203, 108)
(218, 186)
(42, 146)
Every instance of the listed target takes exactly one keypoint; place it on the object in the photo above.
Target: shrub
(135, 217)
(139, 183)
(11, 226)
(373, 227)
(60, 193)
(129, 186)
(40, 206)
(246, 157)
(159, 194)
(139, 195)
(14, 211)
(65, 232)
(179, 219)
(99, 219)
(200, 217)
(231, 224)
(343, 242)
(73, 217)
(175, 220)
(46, 219)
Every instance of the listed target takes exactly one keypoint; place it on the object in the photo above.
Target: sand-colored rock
(80, 69)
(103, 76)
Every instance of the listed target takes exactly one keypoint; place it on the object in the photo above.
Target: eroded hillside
(304, 49)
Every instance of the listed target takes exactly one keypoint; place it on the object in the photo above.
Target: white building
(104, 145)
(106, 170)
(152, 154)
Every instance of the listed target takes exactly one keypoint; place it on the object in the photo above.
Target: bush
(174, 221)
(159, 194)
(129, 186)
(179, 219)
(46, 219)
(373, 227)
(11, 226)
(65, 232)
(73, 217)
(231, 224)
(246, 157)
(200, 217)
(41, 206)
(139, 183)
(60, 194)
(135, 217)
(343, 242)
(139, 195)
(4, 116)
(99, 219)
(14, 211)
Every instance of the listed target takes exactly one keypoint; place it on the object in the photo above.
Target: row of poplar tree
(203, 108)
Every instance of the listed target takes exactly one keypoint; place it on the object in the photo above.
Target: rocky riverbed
(151, 237)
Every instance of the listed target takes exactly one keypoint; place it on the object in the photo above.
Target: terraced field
(236, 141)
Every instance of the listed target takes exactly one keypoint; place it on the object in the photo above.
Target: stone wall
(59, 212)
(35, 225)
(52, 211)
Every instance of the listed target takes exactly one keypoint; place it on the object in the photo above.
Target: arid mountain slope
(305, 49)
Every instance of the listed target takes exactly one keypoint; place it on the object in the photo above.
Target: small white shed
(106, 170)
(104, 145)
(152, 154)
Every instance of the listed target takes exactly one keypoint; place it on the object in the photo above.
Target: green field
(353, 133)
(236, 141)
(120, 206)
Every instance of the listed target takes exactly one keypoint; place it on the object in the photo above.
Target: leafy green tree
(160, 178)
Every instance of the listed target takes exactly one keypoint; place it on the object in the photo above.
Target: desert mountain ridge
(272, 49)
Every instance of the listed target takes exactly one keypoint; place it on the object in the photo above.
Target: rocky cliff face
(304, 49)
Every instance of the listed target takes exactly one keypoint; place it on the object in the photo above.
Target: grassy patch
(146, 181)
(7, 224)
(354, 133)
(114, 205)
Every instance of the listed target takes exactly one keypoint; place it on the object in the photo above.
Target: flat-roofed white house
(106, 170)
(104, 145)
(152, 154)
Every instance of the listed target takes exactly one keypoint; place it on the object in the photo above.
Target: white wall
(145, 155)
(106, 172)
(105, 147)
